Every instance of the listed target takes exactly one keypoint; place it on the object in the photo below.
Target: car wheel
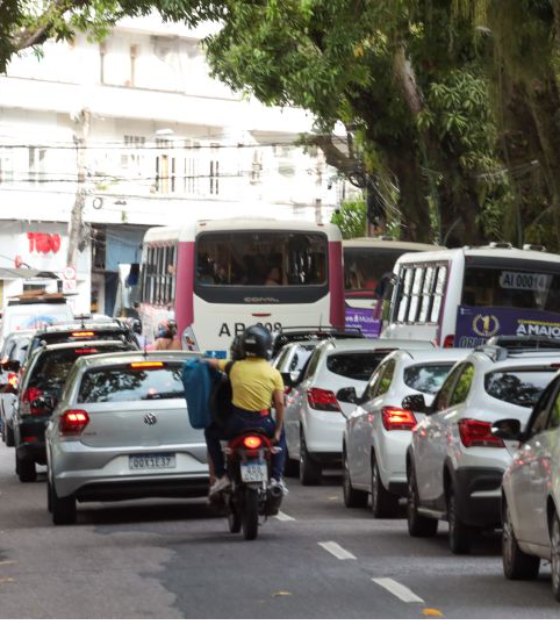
(10, 439)
(63, 508)
(26, 470)
(383, 503)
(419, 526)
(460, 535)
(309, 470)
(352, 497)
(517, 564)
(555, 557)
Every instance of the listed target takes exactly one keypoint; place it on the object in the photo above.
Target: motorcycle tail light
(13, 379)
(252, 442)
(73, 422)
(395, 419)
(478, 434)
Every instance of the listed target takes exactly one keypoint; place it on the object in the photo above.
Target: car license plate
(254, 472)
(151, 461)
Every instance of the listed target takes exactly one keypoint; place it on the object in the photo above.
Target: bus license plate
(254, 472)
(152, 461)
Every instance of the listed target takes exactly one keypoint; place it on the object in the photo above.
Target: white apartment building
(164, 144)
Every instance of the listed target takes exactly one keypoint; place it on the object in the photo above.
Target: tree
(351, 219)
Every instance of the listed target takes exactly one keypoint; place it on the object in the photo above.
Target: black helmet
(256, 341)
(236, 349)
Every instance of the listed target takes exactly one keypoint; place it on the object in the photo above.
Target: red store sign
(43, 243)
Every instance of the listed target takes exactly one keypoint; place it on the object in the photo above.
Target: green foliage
(351, 219)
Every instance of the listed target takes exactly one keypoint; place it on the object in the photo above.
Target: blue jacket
(199, 381)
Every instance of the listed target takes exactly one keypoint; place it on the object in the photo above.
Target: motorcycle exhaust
(273, 500)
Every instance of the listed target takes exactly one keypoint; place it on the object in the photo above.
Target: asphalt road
(169, 559)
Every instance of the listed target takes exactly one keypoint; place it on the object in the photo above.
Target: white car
(378, 431)
(292, 358)
(531, 491)
(454, 463)
(314, 418)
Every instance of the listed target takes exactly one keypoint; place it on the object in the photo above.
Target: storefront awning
(7, 273)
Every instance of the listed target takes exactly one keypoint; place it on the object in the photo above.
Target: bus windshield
(280, 259)
(364, 267)
(512, 284)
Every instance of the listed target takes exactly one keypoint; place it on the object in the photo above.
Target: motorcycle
(250, 496)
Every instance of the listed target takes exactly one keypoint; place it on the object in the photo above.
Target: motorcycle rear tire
(250, 517)
(234, 519)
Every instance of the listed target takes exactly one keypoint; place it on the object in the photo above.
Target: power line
(170, 146)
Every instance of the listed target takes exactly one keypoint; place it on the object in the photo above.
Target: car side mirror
(11, 365)
(415, 402)
(288, 379)
(508, 429)
(347, 395)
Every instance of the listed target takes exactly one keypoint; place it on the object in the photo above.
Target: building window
(133, 56)
(166, 167)
(214, 171)
(6, 167)
(256, 167)
(132, 159)
(36, 164)
(102, 54)
(158, 282)
(191, 169)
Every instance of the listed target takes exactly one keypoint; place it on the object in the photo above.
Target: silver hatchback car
(121, 431)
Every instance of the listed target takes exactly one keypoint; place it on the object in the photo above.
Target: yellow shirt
(253, 382)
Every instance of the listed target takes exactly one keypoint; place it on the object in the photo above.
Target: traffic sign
(69, 273)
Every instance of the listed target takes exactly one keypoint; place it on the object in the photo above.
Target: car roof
(355, 345)
(432, 355)
(127, 357)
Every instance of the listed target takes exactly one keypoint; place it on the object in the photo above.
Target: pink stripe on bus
(336, 284)
(184, 306)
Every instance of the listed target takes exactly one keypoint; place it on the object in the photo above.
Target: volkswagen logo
(150, 419)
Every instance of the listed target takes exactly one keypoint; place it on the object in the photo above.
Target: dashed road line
(398, 590)
(282, 516)
(336, 550)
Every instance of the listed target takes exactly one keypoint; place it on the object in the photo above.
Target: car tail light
(147, 365)
(252, 442)
(29, 396)
(323, 400)
(73, 422)
(395, 419)
(83, 334)
(13, 379)
(449, 341)
(477, 434)
(88, 351)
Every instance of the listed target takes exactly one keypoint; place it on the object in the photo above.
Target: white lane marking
(282, 516)
(337, 550)
(398, 590)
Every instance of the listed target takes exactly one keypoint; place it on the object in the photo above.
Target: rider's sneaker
(279, 483)
(220, 485)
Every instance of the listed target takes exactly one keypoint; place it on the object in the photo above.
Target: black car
(40, 388)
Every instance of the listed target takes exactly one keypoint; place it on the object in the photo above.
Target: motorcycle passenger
(256, 386)
(166, 336)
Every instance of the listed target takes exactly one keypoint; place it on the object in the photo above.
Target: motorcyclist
(166, 336)
(256, 386)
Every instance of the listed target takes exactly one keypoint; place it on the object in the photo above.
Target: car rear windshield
(426, 378)
(53, 367)
(112, 385)
(518, 387)
(358, 366)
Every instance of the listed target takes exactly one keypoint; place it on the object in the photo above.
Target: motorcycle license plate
(254, 472)
(151, 461)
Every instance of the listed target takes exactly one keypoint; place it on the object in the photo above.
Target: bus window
(511, 285)
(407, 274)
(427, 290)
(364, 268)
(439, 291)
(274, 259)
(415, 295)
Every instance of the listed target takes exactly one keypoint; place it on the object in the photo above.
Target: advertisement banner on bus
(363, 318)
(475, 325)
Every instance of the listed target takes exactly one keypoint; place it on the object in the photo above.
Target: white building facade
(164, 144)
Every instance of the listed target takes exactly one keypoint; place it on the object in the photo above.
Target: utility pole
(76, 224)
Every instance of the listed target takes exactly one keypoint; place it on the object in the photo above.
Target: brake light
(287, 390)
(86, 351)
(13, 379)
(395, 419)
(28, 397)
(73, 422)
(323, 400)
(83, 334)
(252, 442)
(477, 434)
(147, 365)
(449, 341)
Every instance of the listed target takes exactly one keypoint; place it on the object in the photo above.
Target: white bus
(463, 297)
(366, 261)
(217, 277)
